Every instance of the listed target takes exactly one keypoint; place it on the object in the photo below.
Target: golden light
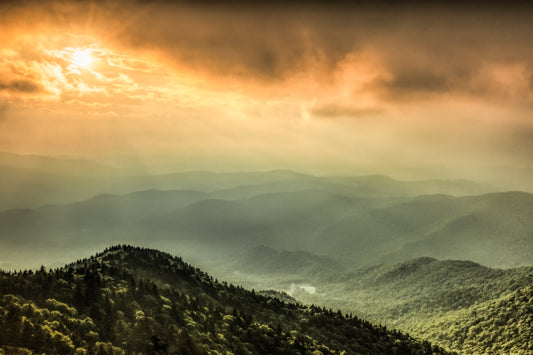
(82, 58)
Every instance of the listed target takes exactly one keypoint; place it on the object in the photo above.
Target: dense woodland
(353, 221)
(133, 300)
(460, 305)
(502, 326)
(370, 246)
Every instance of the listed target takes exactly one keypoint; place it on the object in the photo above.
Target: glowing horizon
(221, 87)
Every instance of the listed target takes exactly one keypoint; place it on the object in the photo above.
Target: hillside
(500, 326)
(491, 229)
(461, 305)
(263, 259)
(130, 299)
(32, 181)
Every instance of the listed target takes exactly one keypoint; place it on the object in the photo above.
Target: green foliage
(501, 326)
(459, 305)
(132, 300)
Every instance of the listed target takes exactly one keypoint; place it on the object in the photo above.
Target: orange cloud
(397, 85)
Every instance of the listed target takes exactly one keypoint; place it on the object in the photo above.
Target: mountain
(367, 245)
(263, 259)
(460, 305)
(31, 181)
(131, 300)
(384, 186)
(278, 220)
(119, 209)
(492, 229)
(26, 188)
(499, 326)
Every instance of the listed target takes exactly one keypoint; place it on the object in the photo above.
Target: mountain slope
(384, 186)
(500, 326)
(461, 305)
(263, 259)
(129, 299)
(492, 229)
(31, 181)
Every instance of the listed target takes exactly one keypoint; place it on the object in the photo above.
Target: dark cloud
(425, 49)
(409, 84)
(419, 81)
(21, 86)
(265, 44)
(341, 111)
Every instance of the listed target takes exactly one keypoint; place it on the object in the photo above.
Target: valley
(421, 257)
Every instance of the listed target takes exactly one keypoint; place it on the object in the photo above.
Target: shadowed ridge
(130, 299)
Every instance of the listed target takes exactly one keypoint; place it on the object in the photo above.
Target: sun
(82, 58)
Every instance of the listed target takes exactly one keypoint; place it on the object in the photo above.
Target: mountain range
(136, 300)
(460, 305)
(28, 181)
(493, 229)
(446, 261)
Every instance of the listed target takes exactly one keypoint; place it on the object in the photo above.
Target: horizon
(373, 157)
(509, 179)
(406, 90)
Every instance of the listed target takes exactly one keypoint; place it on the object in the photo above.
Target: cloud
(21, 86)
(38, 69)
(425, 50)
(418, 81)
(267, 45)
(342, 111)
(346, 84)
(286, 50)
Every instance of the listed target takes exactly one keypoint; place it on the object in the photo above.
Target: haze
(413, 91)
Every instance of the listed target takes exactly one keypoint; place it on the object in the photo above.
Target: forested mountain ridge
(129, 300)
(461, 305)
(491, 229)
(31, 181)
(500, 326)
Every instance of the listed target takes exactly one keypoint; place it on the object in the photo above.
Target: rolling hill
(460, 305)
(130, 300)
(492, 229)
(28, 181)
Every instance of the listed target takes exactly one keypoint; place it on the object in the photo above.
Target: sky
(410, 90)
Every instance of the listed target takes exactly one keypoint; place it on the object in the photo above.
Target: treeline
(131, 300)
(502, 326)
(460, 305)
